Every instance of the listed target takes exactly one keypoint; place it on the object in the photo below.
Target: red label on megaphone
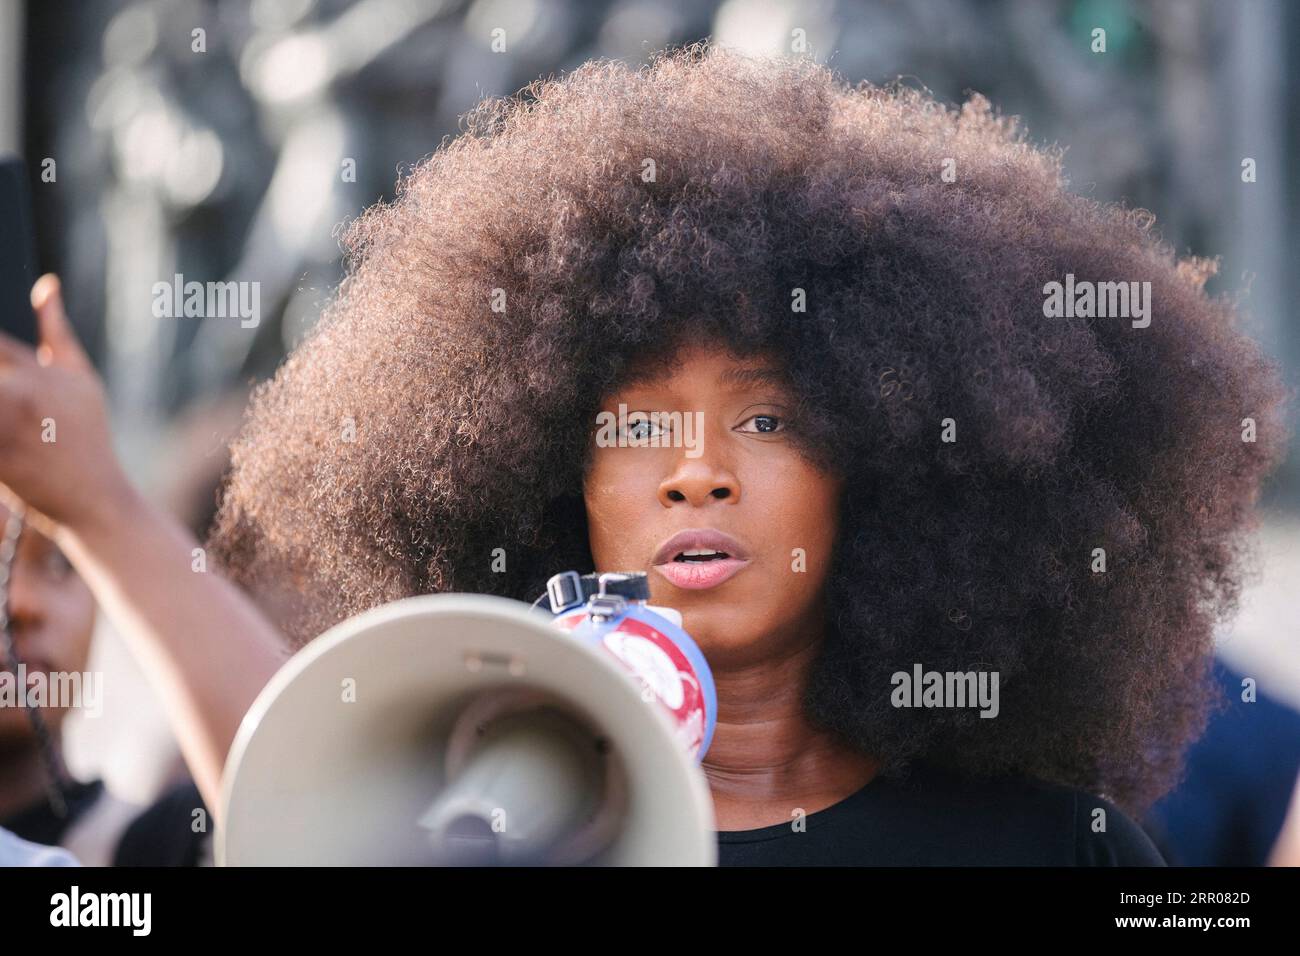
(659, 661)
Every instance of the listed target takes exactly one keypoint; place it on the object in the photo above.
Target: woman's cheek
(76, 610)
(611, 517)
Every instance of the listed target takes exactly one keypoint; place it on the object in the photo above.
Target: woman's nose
(26, 605)
(697, 480)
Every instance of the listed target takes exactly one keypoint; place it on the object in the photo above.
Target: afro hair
(444, 404)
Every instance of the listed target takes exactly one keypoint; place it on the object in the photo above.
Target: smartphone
(17, 252)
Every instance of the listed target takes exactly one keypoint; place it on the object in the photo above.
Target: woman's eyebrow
(738, 378)
(735, 379)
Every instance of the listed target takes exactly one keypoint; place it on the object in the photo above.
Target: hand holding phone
(17, 252)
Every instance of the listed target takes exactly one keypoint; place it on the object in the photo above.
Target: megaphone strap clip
(565, 591)
(569, 589)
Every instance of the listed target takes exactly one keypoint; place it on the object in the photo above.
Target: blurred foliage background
(228, 162)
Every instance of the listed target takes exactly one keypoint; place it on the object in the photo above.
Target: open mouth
(698, 569)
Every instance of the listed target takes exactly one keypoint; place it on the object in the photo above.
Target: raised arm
(204, 646)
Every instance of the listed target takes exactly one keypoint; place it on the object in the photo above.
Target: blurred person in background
(1229, 807)
(15, 851)
(1286, 852)
(51, 618)
(202, 644)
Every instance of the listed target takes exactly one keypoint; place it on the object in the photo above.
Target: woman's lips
(696, 575)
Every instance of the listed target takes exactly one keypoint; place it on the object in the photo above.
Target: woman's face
(52, 618)
(726, 463)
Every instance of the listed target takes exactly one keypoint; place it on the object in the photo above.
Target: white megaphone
(468, 729)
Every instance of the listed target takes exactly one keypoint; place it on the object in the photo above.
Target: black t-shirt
(38, 823)
(165, 834)
(934, 817)
(161, 835)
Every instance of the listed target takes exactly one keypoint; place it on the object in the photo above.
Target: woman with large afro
(917, 463)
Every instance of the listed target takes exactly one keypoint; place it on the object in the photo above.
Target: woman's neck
(22, 778)
(768, 762)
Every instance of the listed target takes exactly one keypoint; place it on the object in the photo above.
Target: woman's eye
(766, 423)
(55, 565)
(642, 429)
(47, 561)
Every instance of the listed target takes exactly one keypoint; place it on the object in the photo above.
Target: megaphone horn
(465, 728)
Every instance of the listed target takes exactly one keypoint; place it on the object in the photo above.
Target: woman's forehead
(30, 537)
(718, 363)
